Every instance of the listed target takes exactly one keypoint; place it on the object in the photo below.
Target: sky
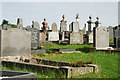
(52, 11)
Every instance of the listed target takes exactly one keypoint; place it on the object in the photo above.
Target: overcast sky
(52, 11)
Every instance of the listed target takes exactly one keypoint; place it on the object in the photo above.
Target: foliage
(111, 41)
(9, 24)
(5, 22)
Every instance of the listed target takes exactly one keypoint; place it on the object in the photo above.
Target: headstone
(63, 24)
(20, 26)
(28, 28)
(117, 38)
(84, 29)
(111, 32)
(0, 27)
(35, 38)
(76, 38)
(54, 27)
(90, 37)
(20, 21)
(15, 42)
(101, 37)
(42, 37)
(53, 36)
(35, 24)
(74, 26)
(70, 27)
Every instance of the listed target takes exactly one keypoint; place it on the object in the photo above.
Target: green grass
(78, 47)
(107, 61)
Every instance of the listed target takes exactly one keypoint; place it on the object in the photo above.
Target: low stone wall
(67, 71)
(51, 62)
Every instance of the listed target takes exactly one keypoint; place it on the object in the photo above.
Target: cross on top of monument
(90, 17)
(77, 17)
(63, 18)
(97, 18)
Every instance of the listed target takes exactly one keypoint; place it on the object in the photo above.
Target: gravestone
(54, 27)
(19, 22)
(35, 24)
(42, 37)
(75, 26)
(35, 38)
(53, 36)
(28, 28)
(111, 32)
(70, 27)
(90, 37)
(101, 37)
(0, 27)
(76, 38)
(15, 42)
(117, 38)
(20, 26)
(90, 24)
(63, 24)
(84, 29)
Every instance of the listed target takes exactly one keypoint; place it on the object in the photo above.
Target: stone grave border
(68, 71)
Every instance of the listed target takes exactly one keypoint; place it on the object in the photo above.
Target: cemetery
(48, 52)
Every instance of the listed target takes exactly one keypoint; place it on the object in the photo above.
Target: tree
(5, 22)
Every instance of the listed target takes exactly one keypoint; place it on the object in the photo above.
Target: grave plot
(67, 71)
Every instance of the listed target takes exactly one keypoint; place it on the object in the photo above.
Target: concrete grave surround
(76, 38)
(53, 36)
(15, 42)
(101, 37)
(54, 27)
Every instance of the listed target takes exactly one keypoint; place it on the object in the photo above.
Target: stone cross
(63, 24)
